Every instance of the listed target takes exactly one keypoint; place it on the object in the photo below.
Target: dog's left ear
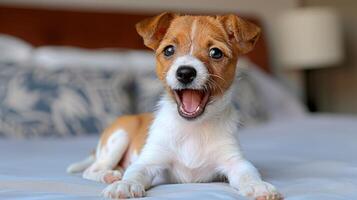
(245, 33)
(153, 29)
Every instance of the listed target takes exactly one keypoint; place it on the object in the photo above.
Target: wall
(268, 12)
(335, 89)
(257, 6)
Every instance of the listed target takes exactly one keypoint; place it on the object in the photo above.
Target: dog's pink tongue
(191, 100)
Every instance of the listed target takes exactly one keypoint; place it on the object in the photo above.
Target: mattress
(313, 158)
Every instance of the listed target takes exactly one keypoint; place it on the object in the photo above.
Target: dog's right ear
(152, 30)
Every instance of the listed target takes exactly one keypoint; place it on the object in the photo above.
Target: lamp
(309, 38)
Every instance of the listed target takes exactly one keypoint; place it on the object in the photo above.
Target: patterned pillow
(148, 90)
(36, 101)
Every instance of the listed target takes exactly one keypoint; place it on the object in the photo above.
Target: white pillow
(14, 50)
(72, 57)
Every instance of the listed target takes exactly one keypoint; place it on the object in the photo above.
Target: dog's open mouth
(191, 103)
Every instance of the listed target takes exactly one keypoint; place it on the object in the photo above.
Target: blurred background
(307, 50)
(68, 68)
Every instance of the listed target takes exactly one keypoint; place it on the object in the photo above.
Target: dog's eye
(169, 51)
(215, 53)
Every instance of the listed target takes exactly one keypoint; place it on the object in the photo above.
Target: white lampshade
(309, 38)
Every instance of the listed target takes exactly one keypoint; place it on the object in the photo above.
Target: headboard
(89, 29)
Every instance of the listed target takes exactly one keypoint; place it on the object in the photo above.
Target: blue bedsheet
(314, 158)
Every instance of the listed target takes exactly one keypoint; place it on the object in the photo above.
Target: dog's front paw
(111, 176)
(260, 191)
(124, 190)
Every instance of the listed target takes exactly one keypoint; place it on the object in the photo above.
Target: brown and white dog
(192, 136)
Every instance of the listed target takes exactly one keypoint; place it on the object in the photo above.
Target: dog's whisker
(214, 85)
(215, 75)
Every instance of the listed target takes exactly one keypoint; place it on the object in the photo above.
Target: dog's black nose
(186, 74)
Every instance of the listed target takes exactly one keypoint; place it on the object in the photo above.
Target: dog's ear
(245, 33)
(153, 29)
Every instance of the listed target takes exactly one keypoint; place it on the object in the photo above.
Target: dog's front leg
(243, 176)
(137, 178)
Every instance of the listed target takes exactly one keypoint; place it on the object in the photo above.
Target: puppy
(191, 137)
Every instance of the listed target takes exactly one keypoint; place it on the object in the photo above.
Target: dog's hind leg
(105, 169)
(81, 165)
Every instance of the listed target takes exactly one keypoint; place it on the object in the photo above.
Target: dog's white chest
(183, 174)
(193, 161)
(191, 151)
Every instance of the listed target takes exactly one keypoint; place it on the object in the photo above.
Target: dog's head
(197, 55)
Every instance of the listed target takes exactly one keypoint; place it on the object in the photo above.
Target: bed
(308, 157)
(312, 158)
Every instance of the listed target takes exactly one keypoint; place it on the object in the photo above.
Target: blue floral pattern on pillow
(37, 101)
(148, 91)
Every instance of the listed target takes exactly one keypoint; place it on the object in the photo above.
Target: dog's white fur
(108, 157)
(191, 151)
